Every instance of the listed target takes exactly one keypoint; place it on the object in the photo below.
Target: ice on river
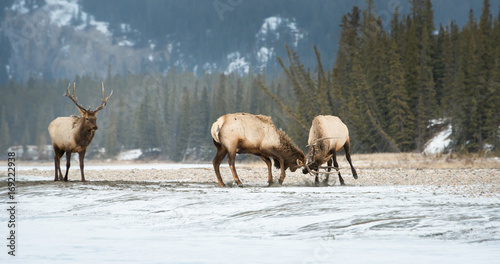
(167, 222)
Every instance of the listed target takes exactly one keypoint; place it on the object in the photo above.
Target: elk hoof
(355, 175)
(270, 183)
(280, 181)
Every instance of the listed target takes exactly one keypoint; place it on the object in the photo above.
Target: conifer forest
(394, 87)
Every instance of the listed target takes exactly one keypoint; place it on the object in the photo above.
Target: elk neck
(83, 136)
(289, 150)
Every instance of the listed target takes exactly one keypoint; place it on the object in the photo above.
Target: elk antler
(73, 97)
(104, 99)
(321, 139)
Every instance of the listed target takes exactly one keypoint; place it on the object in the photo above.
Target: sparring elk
(73, 134)
(257, 135)
(328, 134)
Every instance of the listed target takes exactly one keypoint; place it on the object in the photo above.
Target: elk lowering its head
(257, 135)
(73, 134)
(328, 135)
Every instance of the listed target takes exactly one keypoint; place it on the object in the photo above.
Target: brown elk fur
(257, 135)
(328, 134)
(73, 134)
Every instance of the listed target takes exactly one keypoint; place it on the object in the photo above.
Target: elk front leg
(57, 164)
(81, 156)
(68, 164)
(316, 178)
(329, 164)
(269, 170)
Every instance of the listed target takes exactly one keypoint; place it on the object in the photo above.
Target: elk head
(90, 120)
(316, 155)
(299, 161)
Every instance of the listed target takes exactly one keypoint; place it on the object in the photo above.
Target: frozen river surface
(167, 222)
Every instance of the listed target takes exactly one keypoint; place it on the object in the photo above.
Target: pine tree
(239, 95)
(368, 131)
(486, 88)
(411, 63)
(205, 120)
(172, 122)
(426, 102)
(111, 143)
(197, 121)
(184, 129)
(438, 65)
(141, 124)
(125, 128)
(449, 80)
(465, 117)
(5, 140)
(401, 123)
(147, 120)
(219, 107)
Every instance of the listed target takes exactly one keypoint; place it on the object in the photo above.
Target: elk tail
(216, 129)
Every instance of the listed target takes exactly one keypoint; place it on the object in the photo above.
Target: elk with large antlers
(73, 134)
(328, 135)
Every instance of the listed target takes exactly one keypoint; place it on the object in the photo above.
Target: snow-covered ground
(167, 222)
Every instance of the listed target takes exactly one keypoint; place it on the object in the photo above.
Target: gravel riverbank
(482, 178)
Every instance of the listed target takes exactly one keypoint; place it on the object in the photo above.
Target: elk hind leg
(336, 166)
(348, 156)
(269, 170)
(231, 158)
(57, 163)
(221, 153)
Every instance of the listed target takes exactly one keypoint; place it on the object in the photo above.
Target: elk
(73, 134)
(257, 135)
(328, 134)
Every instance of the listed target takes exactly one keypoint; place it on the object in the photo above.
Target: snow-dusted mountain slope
(65, 38)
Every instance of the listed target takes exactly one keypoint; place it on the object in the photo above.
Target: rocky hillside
(64, 38)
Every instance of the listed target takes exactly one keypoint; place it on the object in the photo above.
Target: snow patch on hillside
(126, 42)
(275, 31)
(272, 26)
(264, 55)
(66, 13)
(439, 142)
(20, 6)
(237, 64)
(61, 12)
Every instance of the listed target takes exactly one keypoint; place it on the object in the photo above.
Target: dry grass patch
(420, 161)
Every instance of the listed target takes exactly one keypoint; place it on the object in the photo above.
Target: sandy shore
(470, 177)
